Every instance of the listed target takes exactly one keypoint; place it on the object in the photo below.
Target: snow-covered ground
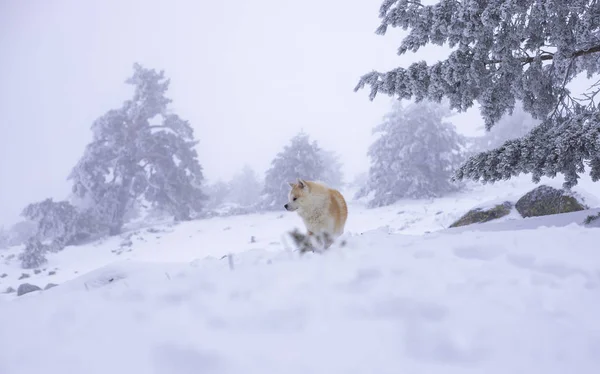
(403, 295)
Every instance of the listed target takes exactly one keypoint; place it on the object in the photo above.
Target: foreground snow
(501, 302)
(405, 295)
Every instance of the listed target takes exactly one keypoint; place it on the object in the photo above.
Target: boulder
(479, 215)
(27, 288)
(545, 200)
(50, 285)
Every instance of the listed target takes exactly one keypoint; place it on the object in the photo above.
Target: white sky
(248, 75)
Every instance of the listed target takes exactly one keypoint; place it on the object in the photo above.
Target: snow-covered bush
(33, 256)
(61, 222)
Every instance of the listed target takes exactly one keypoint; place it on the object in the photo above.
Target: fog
(247, 75)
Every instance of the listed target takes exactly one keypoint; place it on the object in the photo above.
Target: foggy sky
(248, 75)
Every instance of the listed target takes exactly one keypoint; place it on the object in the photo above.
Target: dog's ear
(302, 183)
(292, 184)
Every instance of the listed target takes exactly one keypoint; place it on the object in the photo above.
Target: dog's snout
(285, 206)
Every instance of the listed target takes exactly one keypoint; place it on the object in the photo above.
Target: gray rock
(51, 272)
(27, 288)
(4, 275)
(10, 290)
(24, 275)
(483, 215)
(50, 285)
(545, 200)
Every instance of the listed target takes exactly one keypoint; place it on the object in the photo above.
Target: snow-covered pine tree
(333, 174)
(245, 187)
(60, 222)
(299, 159)
(504, 51)
(34, 254)
(414, 156)
(141, 150)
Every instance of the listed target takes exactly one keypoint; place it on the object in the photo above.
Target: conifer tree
(503, 52)
(60, 223)
(301, 158)
(141, 150)
(414, 156)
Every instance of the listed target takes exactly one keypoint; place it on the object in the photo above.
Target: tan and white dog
(323, 209)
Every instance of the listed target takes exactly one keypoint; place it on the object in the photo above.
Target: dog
(322, 209)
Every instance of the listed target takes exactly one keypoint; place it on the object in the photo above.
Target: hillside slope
(404, 295)
(501, 302)
(219, 236)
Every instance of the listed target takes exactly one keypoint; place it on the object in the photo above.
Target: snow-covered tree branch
(504, 52)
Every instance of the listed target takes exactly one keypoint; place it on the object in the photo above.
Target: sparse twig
(591, 218)
(311, 243)
(301, 241)
(564, 92)
(230, 260)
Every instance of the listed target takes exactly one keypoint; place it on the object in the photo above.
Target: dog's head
(298, 195)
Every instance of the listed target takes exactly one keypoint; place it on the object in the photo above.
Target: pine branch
(547, 57)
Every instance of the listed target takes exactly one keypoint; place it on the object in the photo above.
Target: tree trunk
(117, 223)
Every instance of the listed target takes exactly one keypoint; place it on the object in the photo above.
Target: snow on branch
(505, 52)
